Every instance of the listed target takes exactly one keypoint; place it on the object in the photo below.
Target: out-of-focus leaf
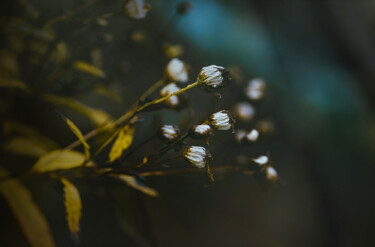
(11, 82)
(136, 9)
(73, 206)
(78, 133)
(59, 160)
(60, 53)
(13, 127)
(123, 141)
(137, 184)
(108, 92)
(30, 10)
(25, 146)
(98, 117)
(9, 61)
(31, 219)
(88, 68)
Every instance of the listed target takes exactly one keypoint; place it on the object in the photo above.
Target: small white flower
(271, 173)
(221, 120)
(136, 9)
(201, 131)
(252, 136)
(255, 89)
(169, 89)
(177, 70)
(261, 160)
(197, 156)
(170, 132)
(244, 111)
(213, 77)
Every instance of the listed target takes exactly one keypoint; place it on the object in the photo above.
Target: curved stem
(130, 114)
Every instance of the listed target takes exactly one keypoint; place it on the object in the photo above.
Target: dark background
(318, 58)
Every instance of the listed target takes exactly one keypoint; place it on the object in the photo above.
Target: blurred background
(318, 59)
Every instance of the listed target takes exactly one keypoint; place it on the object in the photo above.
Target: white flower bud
(244, 111)
(201, 131)
(169, 89)
(261, 160)
(252, 136)
(213, 77)
(221, 120)
(255, 89)
(197, 156)
(169, 132)
(136, 9)
(177, 70)
(271, 173)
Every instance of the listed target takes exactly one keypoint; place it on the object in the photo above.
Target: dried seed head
(255, 89)
(271, 173)
(136, 9)
(177, 70)
(201, 131)
(197, 156)
(252, 136)
(261, 160)
(221, 120)
(244, 111)
(169, 132)
(213, 77)
(167, 90)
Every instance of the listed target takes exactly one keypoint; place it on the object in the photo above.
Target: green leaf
(29, 216)
(59, 160)
(78, 133)
(136, 184)
(73, 206)
(123, 141)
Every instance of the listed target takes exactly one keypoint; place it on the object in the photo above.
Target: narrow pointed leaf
(78, 133)
(59, 160)
(88, 68)
(73, 206)
(123, 141)
(29, 216)
(97, 116)
(137, 184)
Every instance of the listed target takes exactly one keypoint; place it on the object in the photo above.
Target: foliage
(47, 52)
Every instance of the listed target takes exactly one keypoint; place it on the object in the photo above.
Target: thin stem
(127, 115)
(197, 170)
(103, 16)
(139, 109)
(166, 97)
(137, 147)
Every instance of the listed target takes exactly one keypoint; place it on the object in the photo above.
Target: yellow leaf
(73, 206)
(98, 117)
(78, 133)
(59, 160)
(88, 68)
(137, 184)
(25, 146)
(123, 141)
(29, 216)
(11, 82)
